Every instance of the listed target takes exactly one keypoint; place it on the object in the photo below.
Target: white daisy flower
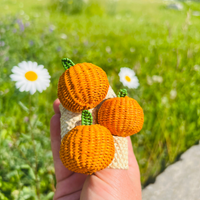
(30, 77)
(128, 78)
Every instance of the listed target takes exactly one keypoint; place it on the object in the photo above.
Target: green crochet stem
(122, 93)
(86, 118)
(67, 63)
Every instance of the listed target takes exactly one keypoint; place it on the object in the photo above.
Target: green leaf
(49, 196)
(23, 106)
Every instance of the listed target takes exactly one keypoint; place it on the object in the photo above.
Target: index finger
(56, 106)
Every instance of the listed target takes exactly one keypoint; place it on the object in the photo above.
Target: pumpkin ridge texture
(69, 120)
(87, 149)
(124, 116)
(82, 86)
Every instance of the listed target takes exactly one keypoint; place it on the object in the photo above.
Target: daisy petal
(30, 65)
(22, 88)
(32, 89)
(22, 65)
(43, 87)
(28, 86)
(46, 81)
(34, 64)
(17, 70)
(19, 84)
(38, 86)
(15, 77)
(40, 67)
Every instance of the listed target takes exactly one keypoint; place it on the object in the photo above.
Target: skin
(111, 184)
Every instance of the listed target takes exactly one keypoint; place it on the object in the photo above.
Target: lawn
(161, 45)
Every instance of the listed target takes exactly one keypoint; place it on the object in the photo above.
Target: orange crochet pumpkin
(122, 115)
(87, 148)
(81, 86)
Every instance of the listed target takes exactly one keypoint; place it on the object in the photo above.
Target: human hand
(111, 184)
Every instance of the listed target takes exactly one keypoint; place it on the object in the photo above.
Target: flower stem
(67, 63)
(35, 152)
(86, 118)
(122, 93)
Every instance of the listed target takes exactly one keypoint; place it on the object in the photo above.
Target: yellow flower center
(31, 76)
(128, 78)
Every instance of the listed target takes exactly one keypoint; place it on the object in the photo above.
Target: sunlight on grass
(161, 45)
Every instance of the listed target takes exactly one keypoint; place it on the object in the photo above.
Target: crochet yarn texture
(69, 120)
(123, 116)
(87, 148)
(82, 86)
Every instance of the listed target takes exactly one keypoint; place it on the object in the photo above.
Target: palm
(70, 186)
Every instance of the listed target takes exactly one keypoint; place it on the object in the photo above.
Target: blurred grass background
(161, 45)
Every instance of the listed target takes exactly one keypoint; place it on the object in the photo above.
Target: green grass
(142, 35)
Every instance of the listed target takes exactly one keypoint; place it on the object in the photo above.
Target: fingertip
(56, 106)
